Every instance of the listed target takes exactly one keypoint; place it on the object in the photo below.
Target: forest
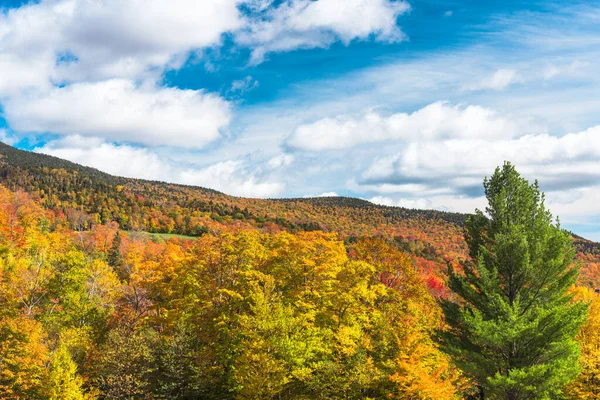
(286, 299)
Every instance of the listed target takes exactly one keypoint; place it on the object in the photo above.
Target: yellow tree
(587, 384)
(410, 316)
(278, 346)
(63, 382)
(22, 358)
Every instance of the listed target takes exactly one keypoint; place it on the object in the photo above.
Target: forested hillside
(326, 298)
(167, 208)
(88, 197)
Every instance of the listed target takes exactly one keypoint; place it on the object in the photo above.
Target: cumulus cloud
(308, 24)
(436, 121)
(63, 41)
(232, 177)
(235, 177)
(75, 40)
(20, 73)
(127, 161)
(90, 68)
(119, 110)
(94, 68)
(457, 165)
(127, 37)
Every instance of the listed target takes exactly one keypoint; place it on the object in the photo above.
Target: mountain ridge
(57, 182)
(41, 167)
(34, 159)
(91, 197)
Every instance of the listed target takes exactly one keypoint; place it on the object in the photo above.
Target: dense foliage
(247, 315)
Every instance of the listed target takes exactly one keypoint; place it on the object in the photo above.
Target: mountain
(434, 238)
(170, 208)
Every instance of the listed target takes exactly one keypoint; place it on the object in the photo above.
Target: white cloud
(448, 174)
(308, 24)
(435, 121)
(244, 85)
(107, 55)
(457, 165)
(324, 194)
(124, 161)
(7, 137)
(235, 177)
(231, 177)
(574, 68)
(81, 40)
(93, 67)
(329, 194)
(19, 73)
(282, 160)
(119, 110)
(423, 204)
(106, 39)
(576, 208)
(407, 189)
(499, 80)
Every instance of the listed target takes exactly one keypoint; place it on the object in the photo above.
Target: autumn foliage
(97, 313)
(245, 310)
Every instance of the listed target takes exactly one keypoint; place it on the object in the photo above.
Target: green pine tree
(512, 326)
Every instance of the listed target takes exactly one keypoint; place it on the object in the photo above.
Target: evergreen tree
(114, 253)
(512, 327)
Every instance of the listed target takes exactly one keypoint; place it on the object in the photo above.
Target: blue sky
(407, 103)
